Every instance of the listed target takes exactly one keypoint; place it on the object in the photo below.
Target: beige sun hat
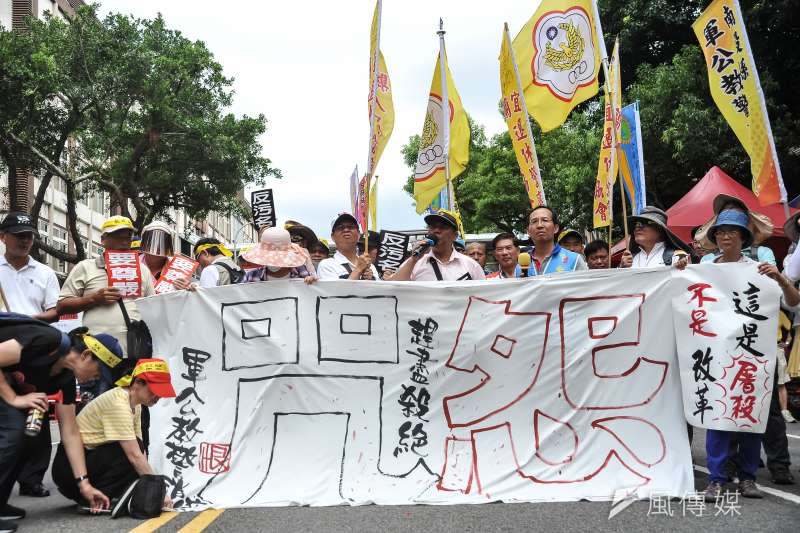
(276, 250)
(790, 228)
(760, 225)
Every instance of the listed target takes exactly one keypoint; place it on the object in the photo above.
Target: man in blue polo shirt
(547, 257)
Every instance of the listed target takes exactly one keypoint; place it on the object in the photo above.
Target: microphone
(430, 240)
(524, 261)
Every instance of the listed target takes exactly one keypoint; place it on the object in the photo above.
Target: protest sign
(178, 267)
(392, 250)
(725, 320)
(124, 272)
(262, 204)
(557, 388)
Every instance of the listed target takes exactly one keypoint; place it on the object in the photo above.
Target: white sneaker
(788, 416)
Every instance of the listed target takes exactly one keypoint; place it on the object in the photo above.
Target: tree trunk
(72, 223)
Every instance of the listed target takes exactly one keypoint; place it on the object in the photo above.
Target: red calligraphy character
(519, 130)
(506, 109)
(743, 407)
(527, 153)
(601, 210)
(698, 321)
(515, 101)
(697, 293)
(745, 376)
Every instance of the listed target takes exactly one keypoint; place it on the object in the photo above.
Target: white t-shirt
(31, 290)
(333, 268)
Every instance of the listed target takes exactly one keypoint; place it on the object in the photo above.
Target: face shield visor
(157, 242)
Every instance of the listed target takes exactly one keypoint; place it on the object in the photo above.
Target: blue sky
(304, 65)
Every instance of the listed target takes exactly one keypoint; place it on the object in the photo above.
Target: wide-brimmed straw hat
(655, 216)
(790, 228)
(760, 225)
(300, 230)
(277, 250)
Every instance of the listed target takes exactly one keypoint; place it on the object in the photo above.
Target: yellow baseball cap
(116, 223)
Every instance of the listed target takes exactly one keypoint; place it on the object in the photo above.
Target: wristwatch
(80, 478)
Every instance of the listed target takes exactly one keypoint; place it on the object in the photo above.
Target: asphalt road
(778, 512)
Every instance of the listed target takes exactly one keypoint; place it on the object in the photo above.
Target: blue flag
(631, 160)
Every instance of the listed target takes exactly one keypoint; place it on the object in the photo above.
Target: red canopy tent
(696, 207)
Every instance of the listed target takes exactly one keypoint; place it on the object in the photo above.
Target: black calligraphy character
(181, 456)
(702, 402)
(185, 393)
(741, 104)
(721, 60)
(752, 303)
(702, 363)
(732, 83)
(178, 486)
(184, 430)
(187, 409)
(748, 338)
(420, 438)
(194, 360)
(422, 334)
(419, 373)
(729, 17)
(414, 403)
(712, 33)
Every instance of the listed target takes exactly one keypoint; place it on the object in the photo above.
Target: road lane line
(201, 521)
(154, 523)
(793, 436)
(767, 490)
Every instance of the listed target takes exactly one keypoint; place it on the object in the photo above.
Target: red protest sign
(124, 274)
(179, 267)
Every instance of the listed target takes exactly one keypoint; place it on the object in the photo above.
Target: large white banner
(726, 326)
(548, 389)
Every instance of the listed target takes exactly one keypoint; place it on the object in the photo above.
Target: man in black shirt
(35, 360)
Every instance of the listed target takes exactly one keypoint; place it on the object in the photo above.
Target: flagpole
(539, 184)
(373, 104)
(604, 58)
(763, 105)
(445, 115)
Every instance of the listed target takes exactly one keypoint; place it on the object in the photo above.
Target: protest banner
(556, 388)
(262, 204)
(607, 164)
(725, 320)
(736, 89)
(124, 272)
(178, 267)
(392, 249)
(381, 107)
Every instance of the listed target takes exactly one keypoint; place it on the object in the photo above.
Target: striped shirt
(109, 418)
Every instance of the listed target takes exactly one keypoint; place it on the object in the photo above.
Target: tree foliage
(126, 106)
(684, 134)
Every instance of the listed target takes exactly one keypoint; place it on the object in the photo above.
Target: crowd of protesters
(101, 462)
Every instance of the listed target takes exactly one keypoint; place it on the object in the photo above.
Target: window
(59, 242)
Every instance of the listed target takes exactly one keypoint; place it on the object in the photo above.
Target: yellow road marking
(201, 521)
(154, 523)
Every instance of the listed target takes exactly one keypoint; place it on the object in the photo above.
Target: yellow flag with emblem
(381, 107)
(607, 165)
(430, 172)
(735, 88)
(558, 53)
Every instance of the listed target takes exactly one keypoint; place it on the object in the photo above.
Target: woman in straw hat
(279, 258)
(731, 233)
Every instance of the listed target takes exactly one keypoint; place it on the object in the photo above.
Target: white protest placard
(548, 389)
(725, 318)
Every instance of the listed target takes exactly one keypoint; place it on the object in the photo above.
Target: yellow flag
(519, 128)
(373, 204)
(430, 172)
(559, 57)
(381, 108)
(736, 90)
(607, 164)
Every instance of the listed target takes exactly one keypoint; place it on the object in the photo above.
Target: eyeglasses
(644, 224)
(299, 238)
(543, 220)
(727, 232)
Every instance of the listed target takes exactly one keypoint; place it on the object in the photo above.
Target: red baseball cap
(156, 373)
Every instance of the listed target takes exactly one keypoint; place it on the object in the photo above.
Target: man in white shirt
(215, 260)
(653, 244)
(30, 288)
(441, 262)
(346, 263)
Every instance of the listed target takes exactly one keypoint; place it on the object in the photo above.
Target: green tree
(130, 107)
